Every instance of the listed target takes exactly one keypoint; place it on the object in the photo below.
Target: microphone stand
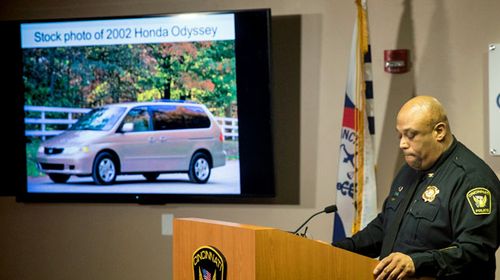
(314, 215)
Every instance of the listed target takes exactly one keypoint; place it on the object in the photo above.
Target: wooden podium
(261, 253)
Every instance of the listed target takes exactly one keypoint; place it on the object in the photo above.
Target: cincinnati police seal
(479, 201)
(209, 264)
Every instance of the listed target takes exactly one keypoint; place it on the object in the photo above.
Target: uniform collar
(430, 172)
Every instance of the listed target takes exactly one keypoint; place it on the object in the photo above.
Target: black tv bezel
(253, 63)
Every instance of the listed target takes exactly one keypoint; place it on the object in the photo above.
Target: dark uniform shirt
(445, 218)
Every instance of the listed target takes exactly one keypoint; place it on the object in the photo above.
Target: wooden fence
(45, 126)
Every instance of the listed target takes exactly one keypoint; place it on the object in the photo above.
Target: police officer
(441, 216)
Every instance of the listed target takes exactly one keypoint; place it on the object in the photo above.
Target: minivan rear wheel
(199, 168)
(104, 169)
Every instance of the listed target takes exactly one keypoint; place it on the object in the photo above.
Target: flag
(356, 186)
(207, 275)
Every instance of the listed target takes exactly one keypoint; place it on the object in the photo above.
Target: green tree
(98, 75)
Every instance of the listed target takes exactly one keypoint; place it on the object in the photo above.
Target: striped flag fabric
(206, 275)
(356, 187)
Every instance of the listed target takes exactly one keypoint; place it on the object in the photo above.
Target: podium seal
(209, 264)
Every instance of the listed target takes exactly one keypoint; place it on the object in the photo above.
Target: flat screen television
(146, 109)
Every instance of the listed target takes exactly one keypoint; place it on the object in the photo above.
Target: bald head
(426, 109)
(424, 131)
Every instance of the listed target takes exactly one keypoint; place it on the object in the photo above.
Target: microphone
(328, 209)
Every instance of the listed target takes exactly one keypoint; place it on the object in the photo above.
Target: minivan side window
(196, 117)
(139, 117)
(167, 117)
(171, 117)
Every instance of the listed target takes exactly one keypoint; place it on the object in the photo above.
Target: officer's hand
(395, 266)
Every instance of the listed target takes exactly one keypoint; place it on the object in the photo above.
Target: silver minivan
(147, 138)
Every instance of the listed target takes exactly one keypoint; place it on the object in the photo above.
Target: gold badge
(479, 201)
(430, 193)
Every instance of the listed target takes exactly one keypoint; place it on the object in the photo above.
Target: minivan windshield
(103, 118)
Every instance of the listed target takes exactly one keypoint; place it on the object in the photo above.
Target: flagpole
(356, 190)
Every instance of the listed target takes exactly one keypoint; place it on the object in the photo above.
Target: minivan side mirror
(127, 127)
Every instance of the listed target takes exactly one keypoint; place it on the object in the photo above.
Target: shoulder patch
(479, 200)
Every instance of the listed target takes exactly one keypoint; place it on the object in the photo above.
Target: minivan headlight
(73, 150)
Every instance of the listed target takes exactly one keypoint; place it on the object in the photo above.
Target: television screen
(147, 109)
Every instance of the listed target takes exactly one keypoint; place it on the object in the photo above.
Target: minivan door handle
(163, 139)
(151, 139)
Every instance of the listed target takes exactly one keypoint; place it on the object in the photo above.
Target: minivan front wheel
(104, 169)
(199, 168)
